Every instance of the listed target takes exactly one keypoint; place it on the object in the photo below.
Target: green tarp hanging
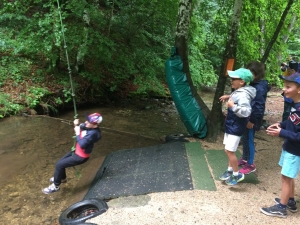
(187, 106)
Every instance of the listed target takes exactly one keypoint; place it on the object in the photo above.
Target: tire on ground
(81, 211)
(175, 137)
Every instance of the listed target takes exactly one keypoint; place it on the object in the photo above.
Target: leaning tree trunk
(216, 117)
(262, 27)
(290, 28)
(182, 31)
(81, 50)
(277, 31)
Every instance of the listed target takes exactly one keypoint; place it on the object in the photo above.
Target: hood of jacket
(246, 91)
(262, 85)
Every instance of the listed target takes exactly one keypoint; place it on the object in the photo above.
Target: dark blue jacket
(89, 138)
(290, 131)
(258, 104)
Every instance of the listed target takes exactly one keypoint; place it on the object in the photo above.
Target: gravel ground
(227, 205)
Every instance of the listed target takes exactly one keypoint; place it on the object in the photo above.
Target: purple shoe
(242, 162)
(247, 168)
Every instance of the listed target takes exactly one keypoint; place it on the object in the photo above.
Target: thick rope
(70, 75)
(68, 62)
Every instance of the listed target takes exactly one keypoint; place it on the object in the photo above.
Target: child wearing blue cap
(87, 134)
(239, 109)
(290, 156)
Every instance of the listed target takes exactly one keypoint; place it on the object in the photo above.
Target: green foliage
(201, 57)
(209, 30)
(258, 24)
(14, 68)
(34, 95)
(124, 46)
(7, 107)
(135, 48)
(67, 95)
(293, 42)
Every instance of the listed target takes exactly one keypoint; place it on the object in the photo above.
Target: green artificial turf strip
(217, 160)
(202, 178)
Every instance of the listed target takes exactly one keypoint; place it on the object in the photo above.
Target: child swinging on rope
(86, 135)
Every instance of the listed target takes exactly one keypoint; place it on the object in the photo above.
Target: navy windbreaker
(258, 104)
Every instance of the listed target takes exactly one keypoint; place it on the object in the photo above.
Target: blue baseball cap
(292, 78)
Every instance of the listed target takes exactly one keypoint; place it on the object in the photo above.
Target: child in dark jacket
(239, 109)
(87, 134)
(290, 155)
(258, 105)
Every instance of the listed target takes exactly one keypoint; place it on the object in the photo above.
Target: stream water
(30, 146)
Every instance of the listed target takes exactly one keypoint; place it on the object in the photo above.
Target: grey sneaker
(290, 206)
(62, 181)
(225, 175)
(51, 189)
(233, 180)
(274, 211)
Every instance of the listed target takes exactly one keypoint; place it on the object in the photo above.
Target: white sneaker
(51, 189)
(62, 181)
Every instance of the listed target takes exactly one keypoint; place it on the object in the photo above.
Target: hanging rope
(68, 62)
(78, 174)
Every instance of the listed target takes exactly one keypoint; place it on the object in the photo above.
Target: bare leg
(232, 160)
(287, 191)
(293, 189)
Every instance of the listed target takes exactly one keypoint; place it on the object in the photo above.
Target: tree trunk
(182, 31)
(111, 15)
(290, 28)
(262, 27)
(82, 48)
(276, 33)
(216, 117)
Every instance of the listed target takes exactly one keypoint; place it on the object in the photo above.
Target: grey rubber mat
(161, 168)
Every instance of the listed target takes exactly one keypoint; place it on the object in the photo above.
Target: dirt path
(227, 205)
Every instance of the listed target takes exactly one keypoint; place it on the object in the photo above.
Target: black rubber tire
(72, 215)
(82, 223)
(175, 137)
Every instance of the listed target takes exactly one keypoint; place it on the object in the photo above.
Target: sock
(229, 169)
(236, 173)
(282, 206)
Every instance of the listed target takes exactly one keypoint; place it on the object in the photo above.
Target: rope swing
(68, 62)
(78, 174)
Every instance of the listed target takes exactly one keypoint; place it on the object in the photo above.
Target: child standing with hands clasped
(290, 155)
(258, 105)
(239, 109)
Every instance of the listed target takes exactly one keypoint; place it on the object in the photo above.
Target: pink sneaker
(242, 162)
(247, 168)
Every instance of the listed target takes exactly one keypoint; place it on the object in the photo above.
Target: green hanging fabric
(187, 106)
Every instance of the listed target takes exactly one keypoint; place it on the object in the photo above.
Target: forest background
(118, 49)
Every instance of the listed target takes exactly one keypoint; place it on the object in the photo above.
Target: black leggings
(70, 159)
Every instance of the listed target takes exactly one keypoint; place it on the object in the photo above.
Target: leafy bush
(34, 95)
(7, 107)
